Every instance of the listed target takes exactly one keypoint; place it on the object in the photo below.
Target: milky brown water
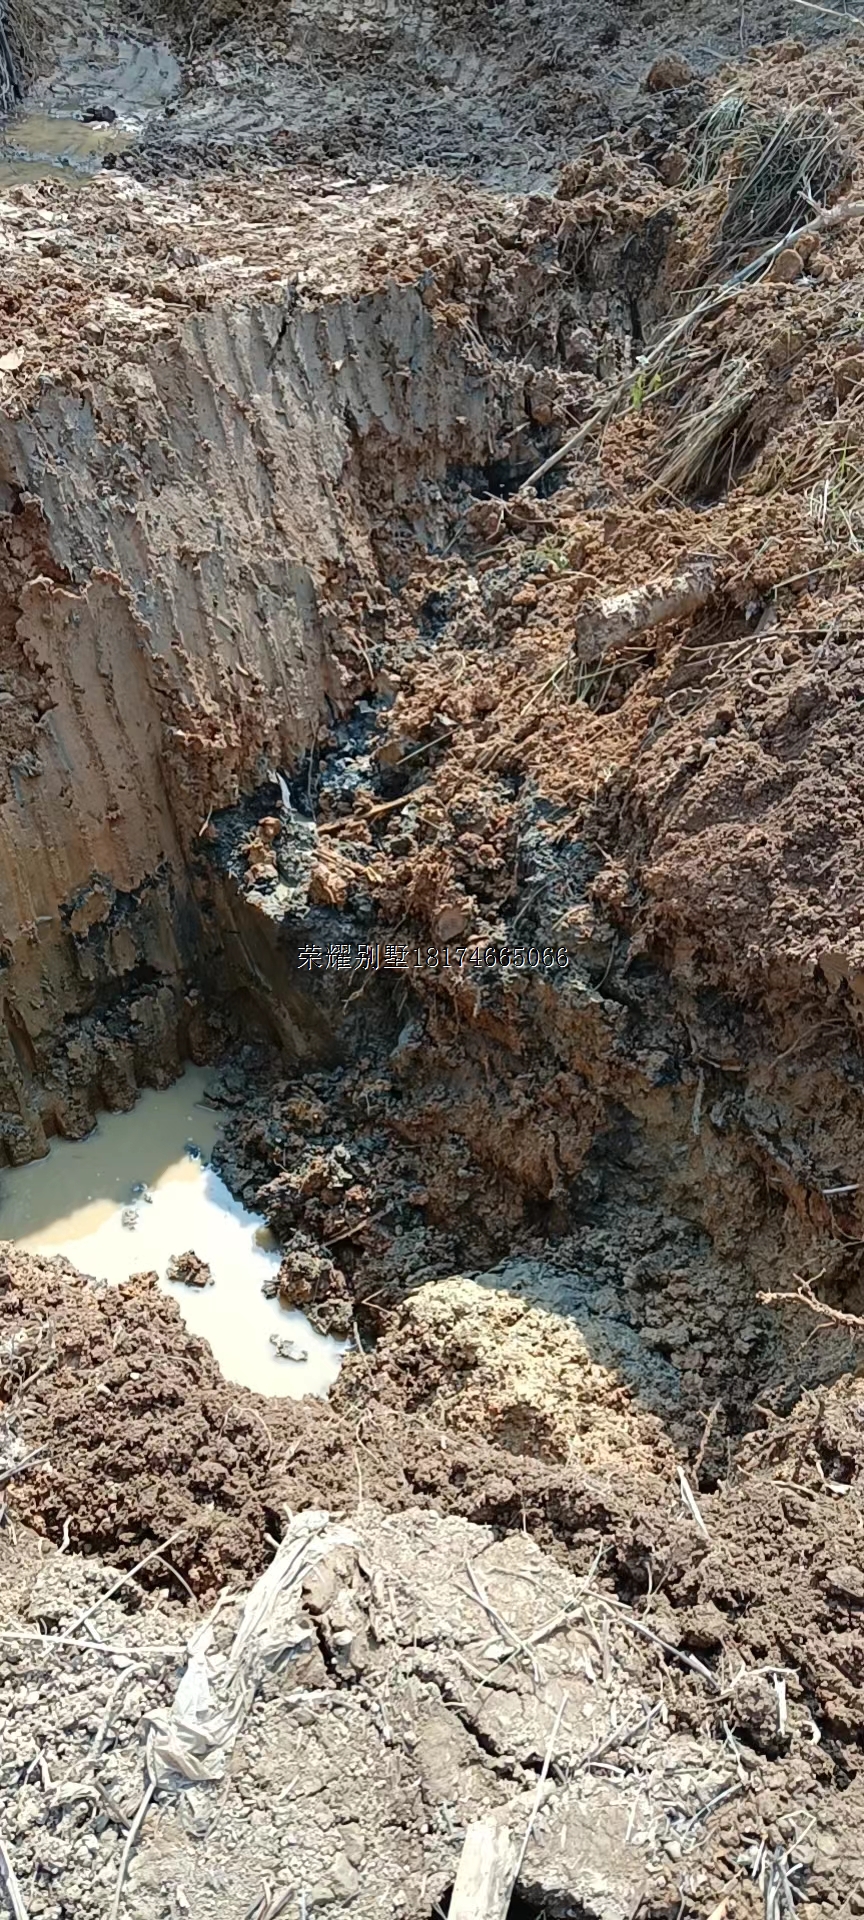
(84, 1200)
(39, 146)
(104, 89)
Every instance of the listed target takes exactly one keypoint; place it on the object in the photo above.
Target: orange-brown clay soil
(430, 691)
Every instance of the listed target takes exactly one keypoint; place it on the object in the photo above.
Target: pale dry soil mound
(419, 1675)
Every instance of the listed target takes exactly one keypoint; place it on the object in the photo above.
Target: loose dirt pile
(710, 1663)
(429, 682)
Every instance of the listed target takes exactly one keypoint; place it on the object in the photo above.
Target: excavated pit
(222, 598)
(204, 553)
(526, 980)
(223, 558)
(198, 575)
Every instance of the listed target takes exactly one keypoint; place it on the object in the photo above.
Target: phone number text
(384, 955)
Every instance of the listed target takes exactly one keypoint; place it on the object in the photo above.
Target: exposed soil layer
(429, 683)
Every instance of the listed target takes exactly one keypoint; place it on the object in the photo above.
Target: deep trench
(226, 568)
(134, 928)
(152, 960)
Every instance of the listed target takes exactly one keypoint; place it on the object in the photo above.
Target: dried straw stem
(674, 338)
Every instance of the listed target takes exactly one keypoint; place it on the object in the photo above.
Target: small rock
(342, 1882)
(703, 1627)
(451, 922)
(485, 519)
(187, 1268)
(580, 350)
(129, 1218)
(668, 72)
(784, 346)
(672, 166)
(333, 1317)
(754, 1713)
(307, 1273)
(192, 1150)
(330, 879)
(165, 290)
(787, 267)
(353, 1844)
(846, 1582)
(542, 398)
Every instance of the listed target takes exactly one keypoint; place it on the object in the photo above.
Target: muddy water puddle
(38, 146)
(140, 1190)
(105, 89)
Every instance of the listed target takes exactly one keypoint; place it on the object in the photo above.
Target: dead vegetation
(707, 443)
(778, 169)
(826, 464)
(604, 626)
(804, 1295)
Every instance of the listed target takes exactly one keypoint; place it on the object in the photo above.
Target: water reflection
(138, 1191)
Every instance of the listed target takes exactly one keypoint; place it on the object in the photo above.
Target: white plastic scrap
(191, 1743)
(278, 779)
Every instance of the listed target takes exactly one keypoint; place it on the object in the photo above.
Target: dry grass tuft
(779, 169)
(786, 170)
(714, 135)
(707, 440)
(826, 464)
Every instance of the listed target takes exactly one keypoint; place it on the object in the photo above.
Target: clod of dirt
(478, 1359)
(307, 1276)
(787, 267)
(188, 1269)
(288, 1349)
(668, 72)
(848, 374)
